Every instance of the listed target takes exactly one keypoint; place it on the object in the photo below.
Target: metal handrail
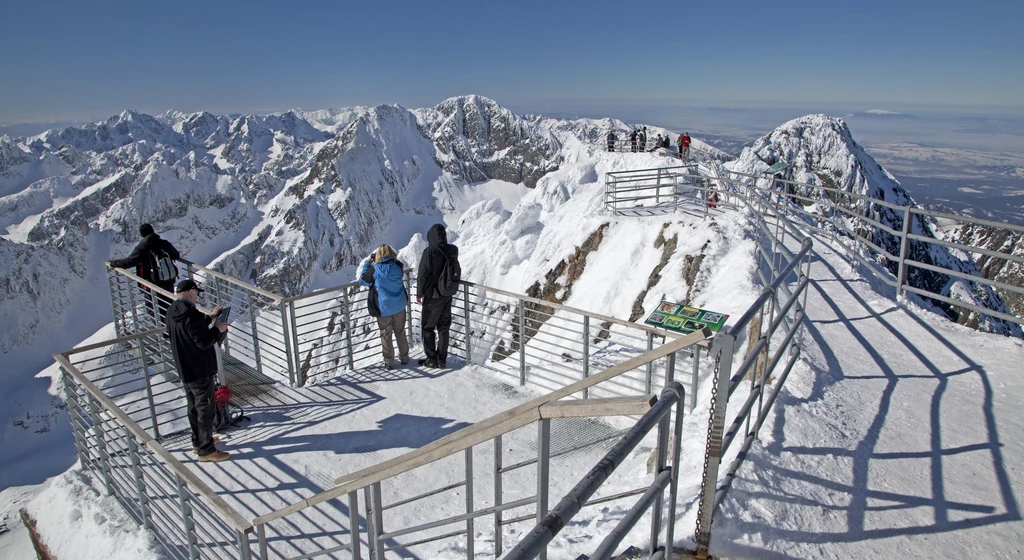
(165, 457)
(479, 432)
(537, 540)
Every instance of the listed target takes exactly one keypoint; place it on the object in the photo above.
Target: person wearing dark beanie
(146, 258)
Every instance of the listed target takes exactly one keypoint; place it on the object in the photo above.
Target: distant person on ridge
(387, 300)
(153, 259)
(632, 140)
(436, 283)
(193, 335)
(657, 144)
(684, 146)
(641, 139)
(611, 140)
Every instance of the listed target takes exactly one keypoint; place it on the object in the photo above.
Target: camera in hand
(224, 314)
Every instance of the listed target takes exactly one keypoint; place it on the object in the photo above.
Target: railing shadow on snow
(860, 526)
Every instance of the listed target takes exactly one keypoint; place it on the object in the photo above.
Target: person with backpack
(611, 140)
(153, 259)
(387, 300)
(437, 281)
(193, 336)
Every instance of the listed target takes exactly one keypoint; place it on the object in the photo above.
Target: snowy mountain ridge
(821, 151)
(282, 202)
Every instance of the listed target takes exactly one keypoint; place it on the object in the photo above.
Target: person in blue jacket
(387, 301)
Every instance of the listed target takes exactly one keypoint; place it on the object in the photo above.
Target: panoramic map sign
(683, 319)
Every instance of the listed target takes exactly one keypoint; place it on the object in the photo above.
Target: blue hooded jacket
(387, 277)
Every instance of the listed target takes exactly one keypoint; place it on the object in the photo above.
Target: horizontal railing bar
(972, 307)
(425, 495)
(968, 248)
(427, 540)
(459, 518)
(234, 281)
(965, 276)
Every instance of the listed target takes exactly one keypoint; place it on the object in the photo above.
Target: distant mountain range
(293, 201)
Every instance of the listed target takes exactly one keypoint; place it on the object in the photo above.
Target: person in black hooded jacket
(142, 258)
(436, 318)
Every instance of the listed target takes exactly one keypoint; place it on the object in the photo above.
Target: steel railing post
(255, 334)
(522, 342)
(348, 330)
(904, 249)
(353, 522)
(290, 349)
(378, 521)
(149, 386)
(673, 492)
(469, 344)
(663, 431)
(497, 496)
(695, 355)
(186, 518)
(244, 550)
(469, 503)
(371, 530)
(408, 316)
(649, 380)
(657, 189)
(118, 330)
(713, 453)
(543, 458)
(101, 445)
(261, 537)
(140, 482)
(293, 332)
(586, 353)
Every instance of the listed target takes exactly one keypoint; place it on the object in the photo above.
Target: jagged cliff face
(358, 184)
(994, 268)
(477, 139)
(821, 151)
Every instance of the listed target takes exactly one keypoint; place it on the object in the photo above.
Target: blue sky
(90, 60)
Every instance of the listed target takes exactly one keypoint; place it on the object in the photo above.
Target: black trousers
(437, 322)
(199, 395)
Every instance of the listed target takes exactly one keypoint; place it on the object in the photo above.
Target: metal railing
(188, 518)
(530, 340)
(667, 475)
(895, 243)
(392, 487)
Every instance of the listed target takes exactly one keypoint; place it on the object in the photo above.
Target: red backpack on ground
(226, 413)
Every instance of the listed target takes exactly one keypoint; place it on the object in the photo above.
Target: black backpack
(451, 274)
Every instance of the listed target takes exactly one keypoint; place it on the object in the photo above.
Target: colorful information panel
(683, 319)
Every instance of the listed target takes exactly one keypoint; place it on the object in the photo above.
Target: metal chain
(707, 446)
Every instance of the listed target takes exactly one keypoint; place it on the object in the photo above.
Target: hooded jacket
(433, 258)
(192, 341)
(386, 276)
(143, 254)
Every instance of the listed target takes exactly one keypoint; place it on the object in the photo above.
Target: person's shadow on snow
(397, 430)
